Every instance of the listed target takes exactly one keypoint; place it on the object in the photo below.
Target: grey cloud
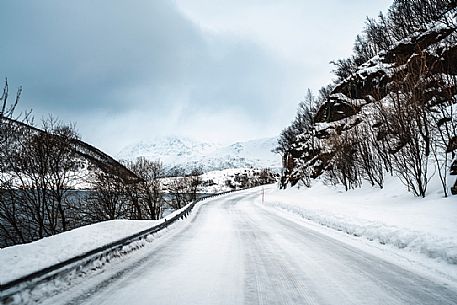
(76, 55)
(243, 77)
(84, 56)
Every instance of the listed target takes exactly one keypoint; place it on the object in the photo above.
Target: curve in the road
(235, 252)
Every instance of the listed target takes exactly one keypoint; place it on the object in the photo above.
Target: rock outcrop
(428, 58)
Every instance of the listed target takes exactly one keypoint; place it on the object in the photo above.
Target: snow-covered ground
(238, 251)
(282, 246)
(413, 233)
(219, 177)
(213, 181)
(216, 181)
(20, 260)
(389, 216)
(23, 259)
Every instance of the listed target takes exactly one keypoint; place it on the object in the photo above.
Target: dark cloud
(80, 54)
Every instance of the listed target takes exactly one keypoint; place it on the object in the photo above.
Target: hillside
(86, 153)
(187, 153)
(392, 110)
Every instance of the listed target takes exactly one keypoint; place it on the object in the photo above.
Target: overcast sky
(219, 70)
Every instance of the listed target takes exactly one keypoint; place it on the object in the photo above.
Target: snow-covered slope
(166, 148)
(187, 153)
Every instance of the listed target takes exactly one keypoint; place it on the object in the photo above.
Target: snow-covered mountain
(188, 153)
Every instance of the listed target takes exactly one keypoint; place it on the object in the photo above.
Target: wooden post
(263, 194)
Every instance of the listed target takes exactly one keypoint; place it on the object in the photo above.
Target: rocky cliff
(413, 81)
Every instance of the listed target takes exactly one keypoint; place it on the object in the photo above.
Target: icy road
(235, 252)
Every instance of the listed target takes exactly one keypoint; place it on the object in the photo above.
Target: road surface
(235, 252)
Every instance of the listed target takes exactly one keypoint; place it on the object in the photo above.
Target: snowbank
(18, 261)
(388, 216)
(21, 260)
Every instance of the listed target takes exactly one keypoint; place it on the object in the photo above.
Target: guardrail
(12, 292)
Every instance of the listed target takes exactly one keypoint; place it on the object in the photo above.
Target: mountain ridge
(188, 153)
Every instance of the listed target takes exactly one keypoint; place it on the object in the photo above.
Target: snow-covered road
(235, 252)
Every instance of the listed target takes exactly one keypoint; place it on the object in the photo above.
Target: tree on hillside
(11, 217)
(401, 115)
(183, 186)
(147, 196)
(45, 166)
(108, 200)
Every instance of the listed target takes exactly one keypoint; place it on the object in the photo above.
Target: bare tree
(44, 167)
(108, 200)
(147, 196)
(368, 159)
(183, 187)
(8, 133)
(195, 181)
(344, 161)
(64, 165)
(408, 120)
